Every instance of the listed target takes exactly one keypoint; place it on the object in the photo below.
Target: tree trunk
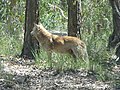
(74, 17)
(31, 17)
(115, 36)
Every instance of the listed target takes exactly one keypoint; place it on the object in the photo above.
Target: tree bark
(31, 16)
(74, 17)
(114, 38)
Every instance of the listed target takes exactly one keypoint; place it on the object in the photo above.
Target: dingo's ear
(35, 24)
(40, 23)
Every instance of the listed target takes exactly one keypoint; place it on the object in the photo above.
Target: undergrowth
(58, 61)
(10, 44)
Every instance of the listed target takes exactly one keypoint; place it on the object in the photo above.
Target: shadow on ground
(16, 75)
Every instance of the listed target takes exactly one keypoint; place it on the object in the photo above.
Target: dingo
(62, 44)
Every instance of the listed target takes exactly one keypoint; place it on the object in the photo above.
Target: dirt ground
(19, 75)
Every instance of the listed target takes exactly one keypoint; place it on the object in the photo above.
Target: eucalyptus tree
(74, 17)
(114, 39)
(31, 17)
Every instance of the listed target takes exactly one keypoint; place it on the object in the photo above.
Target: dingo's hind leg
(75, 53)
(84, 53)
(80, 52)
(72, 53)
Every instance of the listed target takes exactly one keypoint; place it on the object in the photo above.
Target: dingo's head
(36, 29)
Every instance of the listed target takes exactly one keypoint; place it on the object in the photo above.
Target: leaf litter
(17, 74)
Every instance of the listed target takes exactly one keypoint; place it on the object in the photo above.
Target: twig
(56, 7)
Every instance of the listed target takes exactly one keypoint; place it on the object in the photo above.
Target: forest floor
(16, 74)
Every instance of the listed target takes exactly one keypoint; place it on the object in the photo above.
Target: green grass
(63, 62)
(10, 44)
(59, 61)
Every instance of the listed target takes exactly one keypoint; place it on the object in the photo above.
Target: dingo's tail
(80, 52)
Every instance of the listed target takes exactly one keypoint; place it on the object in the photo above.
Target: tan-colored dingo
(62, 44)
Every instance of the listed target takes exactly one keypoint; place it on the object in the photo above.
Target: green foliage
(51, 17)
(11, 26)
(96, 28)
(10, 46)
